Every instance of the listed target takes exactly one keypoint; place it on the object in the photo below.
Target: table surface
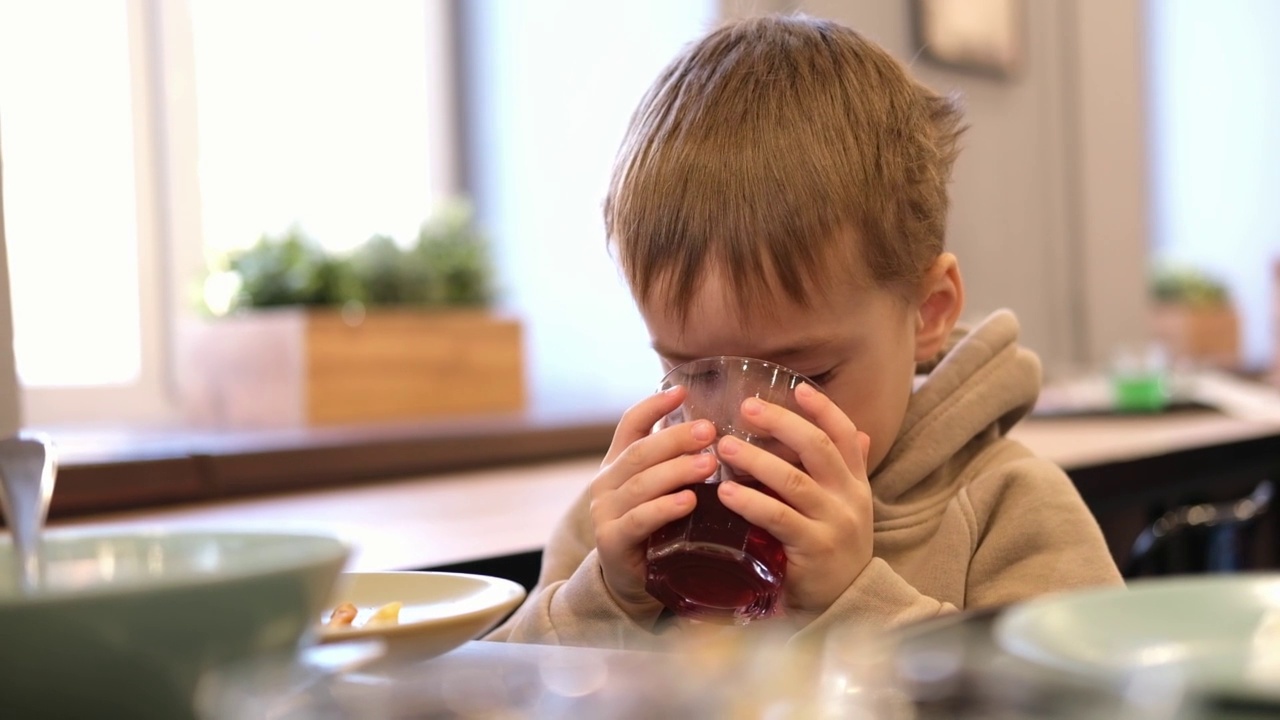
(946, 668)
(452, 518)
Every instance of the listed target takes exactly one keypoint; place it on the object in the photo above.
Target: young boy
(781, 194)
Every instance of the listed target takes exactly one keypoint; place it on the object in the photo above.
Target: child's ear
(941, 302)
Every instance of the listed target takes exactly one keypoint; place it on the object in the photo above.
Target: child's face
(859, 344)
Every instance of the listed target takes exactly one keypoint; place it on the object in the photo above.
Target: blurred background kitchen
(259, 247)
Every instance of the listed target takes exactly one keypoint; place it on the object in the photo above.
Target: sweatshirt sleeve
(878, 599)
(1035, 535)
(576, 611)
(1032, 535)
(570, 605)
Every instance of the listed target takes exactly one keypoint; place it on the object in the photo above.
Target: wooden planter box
(293, 366)
(1202, 335)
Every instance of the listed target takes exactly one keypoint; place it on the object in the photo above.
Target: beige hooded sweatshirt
(964, 517)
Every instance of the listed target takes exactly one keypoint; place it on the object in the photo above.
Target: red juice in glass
(712, 564)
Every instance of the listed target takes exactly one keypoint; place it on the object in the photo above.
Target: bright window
(1214, 102)
(66, 124)
(313, 114)
(141, 137)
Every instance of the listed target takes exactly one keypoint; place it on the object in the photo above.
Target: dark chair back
(1205, 537)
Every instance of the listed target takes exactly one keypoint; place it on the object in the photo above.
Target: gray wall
(1049, 194)
(9, 410)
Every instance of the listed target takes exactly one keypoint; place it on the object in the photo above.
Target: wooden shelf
(108, 471)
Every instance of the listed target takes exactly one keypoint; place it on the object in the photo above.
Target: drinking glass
(712, 564)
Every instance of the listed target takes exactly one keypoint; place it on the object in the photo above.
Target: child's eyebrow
(790, 350)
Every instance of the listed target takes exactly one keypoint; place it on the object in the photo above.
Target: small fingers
(652, 450)
(662, 479)
(824, 455)
(638, 421)
(768, 513)
(837, 425)
(635, 526)
(791, 484)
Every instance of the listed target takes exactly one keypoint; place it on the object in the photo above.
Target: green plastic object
(1139, 393)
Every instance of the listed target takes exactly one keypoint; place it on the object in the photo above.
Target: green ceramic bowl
(126, 625)
(1206, 633)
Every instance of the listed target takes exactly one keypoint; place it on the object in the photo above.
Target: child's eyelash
(821, 378)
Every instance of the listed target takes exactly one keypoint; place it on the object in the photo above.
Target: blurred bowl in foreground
(1211, 633)
(125, 625)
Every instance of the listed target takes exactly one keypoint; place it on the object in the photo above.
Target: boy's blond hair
(761, 147)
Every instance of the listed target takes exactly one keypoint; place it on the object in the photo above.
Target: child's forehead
(727, 315)
(726, 295)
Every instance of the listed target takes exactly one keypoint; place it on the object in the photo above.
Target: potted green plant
(1194, 318)
(297, 335)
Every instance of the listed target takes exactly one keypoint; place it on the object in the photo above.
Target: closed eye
(821, 378)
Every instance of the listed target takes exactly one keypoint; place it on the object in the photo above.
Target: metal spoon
(28, 468)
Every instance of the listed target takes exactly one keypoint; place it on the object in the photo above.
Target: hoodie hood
(974, 391)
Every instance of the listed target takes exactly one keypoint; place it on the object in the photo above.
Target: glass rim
(745, 358)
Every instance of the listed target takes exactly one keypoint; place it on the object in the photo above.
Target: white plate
(441, 610)
(1206, 631)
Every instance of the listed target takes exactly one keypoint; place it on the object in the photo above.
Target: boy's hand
(823, 518)
(638, 491)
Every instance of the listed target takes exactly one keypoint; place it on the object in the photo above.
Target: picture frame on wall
(978, 36)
